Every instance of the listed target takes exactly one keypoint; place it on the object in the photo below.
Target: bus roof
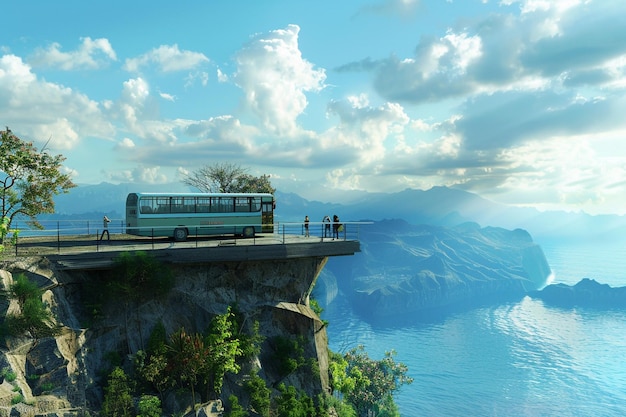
(148, 194)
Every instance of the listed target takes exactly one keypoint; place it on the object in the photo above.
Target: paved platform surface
(89, 253)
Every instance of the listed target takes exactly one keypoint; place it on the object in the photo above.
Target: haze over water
(514, 359)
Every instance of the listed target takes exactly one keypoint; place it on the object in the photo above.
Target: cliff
(408, 270)
(63, 375)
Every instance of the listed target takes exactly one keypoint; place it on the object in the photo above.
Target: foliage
(139, 276)
(8, 375)
(288, 354)
(149, 406)
(152, 365)
(259, 395)
(29, 179)
(369, 384)
(228, 178)
(5, 230)
(291, 403)
(189, 357)
(249, 341)
(236, 410)
(118, 401)
(223, 347)
(342, 409)
(317, 309)
(34, 317)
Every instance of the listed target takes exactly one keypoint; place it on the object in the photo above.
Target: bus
(178, 215)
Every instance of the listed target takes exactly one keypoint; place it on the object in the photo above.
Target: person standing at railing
(336, 226)
(326, 222)
(306, 226)
(105, 225)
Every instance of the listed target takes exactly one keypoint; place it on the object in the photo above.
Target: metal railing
(69, 236)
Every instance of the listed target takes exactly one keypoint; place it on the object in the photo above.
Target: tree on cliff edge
(228, 178)
(29, 179)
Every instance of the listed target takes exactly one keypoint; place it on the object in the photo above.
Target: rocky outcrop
(406, 270)
(586, 293)
(63, 374)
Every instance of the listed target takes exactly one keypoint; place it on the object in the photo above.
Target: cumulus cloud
(44, 110)
(138, 109)
(275, 79)
(141, 174)
(167, 58)
(91, 54)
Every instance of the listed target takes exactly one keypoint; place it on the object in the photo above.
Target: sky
(519, 101)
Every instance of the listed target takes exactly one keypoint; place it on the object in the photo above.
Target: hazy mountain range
(439, 206)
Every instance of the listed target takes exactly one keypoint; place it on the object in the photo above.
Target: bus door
(267, 217)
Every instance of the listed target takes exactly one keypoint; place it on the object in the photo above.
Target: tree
(228, 178)
(223, 347)
(189, 359)
(371, 383)
(118, 401)
(29, 179)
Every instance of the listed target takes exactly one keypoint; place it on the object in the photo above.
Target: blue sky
(519, 101)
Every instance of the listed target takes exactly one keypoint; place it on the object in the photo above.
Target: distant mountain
(409, 271)
(105, 198)
(440, 206)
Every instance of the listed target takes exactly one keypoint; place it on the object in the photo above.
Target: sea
(520, 358)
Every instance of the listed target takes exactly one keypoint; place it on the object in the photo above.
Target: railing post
(152, 240)
(58, 237)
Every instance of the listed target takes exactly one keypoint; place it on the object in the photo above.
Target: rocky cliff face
(63, 375)
(406, 270)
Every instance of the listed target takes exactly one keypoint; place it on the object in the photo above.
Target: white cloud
(168, 58)
(91, 54)
(141, 174)
(275, 77)
(126, 143)
(41, 110)
(168, 97)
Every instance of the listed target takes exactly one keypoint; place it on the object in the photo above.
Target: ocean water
(515, 359)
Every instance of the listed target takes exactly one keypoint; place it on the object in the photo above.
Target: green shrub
(149, 406)
(291, 403)
(259, 394)
(47, 386)
(236, 410)
(289, 354)
(34, 317)
(16, 399)
(9, 375)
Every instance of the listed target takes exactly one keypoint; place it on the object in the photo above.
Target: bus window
(256, 204)
(242, 204)
(162, 205)
(226, 205)
(203, 205)
(148, 205)
(176, 204)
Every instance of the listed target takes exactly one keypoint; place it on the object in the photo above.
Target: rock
(586, 293)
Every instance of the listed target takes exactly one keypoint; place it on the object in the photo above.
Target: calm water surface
(516, 359)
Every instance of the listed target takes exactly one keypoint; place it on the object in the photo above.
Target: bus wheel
(248, 232)
(180, 234)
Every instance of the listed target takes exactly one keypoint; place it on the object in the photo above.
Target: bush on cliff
(33, 317)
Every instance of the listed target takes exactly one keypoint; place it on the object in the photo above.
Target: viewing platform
(88, 252)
